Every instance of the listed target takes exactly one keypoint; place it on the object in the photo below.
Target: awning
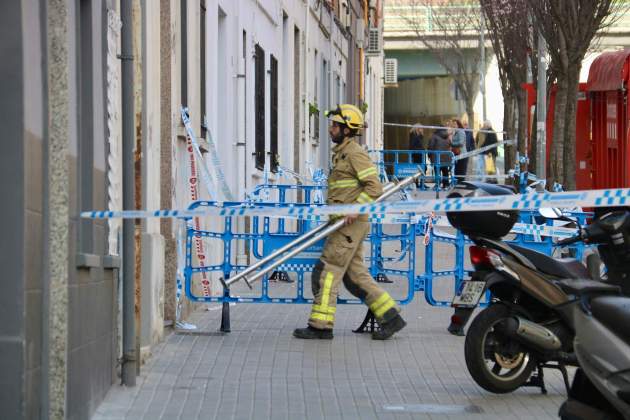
(609, 71)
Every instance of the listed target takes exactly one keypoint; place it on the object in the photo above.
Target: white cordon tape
(192, 147)
(218, 168)
(484, 149)
(437, 127)
(527, 201)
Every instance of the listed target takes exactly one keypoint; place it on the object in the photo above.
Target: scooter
(601, 387)
(529, 323)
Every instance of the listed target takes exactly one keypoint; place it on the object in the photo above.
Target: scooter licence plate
(470, 294)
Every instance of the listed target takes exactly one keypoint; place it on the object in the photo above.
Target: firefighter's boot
(310, 333)
(389, 328)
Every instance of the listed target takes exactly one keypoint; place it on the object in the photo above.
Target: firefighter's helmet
(347, 114)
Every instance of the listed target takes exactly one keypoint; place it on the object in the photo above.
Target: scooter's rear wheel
(496, 362)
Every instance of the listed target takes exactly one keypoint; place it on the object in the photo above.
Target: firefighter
(353, 179)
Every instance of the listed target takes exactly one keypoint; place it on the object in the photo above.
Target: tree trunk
(569, 135)
(533, 145)
(521, 106)
(509, 128)
(470, 112)
(556, 168)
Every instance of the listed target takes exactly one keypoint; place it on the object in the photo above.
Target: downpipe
(530, 333)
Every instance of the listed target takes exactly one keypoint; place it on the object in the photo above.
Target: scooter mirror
(550, 212)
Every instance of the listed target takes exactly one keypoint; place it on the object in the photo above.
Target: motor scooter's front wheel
(497, 363)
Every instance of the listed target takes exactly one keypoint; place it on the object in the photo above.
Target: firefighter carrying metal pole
(353, 179)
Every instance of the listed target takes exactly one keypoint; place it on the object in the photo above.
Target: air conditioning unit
(391, 71)
(374, 41)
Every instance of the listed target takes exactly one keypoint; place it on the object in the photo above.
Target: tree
(569, 27)
(450, 31)
(509, 31)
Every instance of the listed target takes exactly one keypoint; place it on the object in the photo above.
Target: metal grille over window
(274, 115)
(259, 99)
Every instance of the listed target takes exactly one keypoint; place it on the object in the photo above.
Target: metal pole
(128, 133)
(541, 110)
(279, 252)
(482, 70)
(301, 245)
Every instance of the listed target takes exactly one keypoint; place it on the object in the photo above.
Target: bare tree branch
(449, 30)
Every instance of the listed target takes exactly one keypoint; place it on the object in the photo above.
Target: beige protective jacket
(353, 177)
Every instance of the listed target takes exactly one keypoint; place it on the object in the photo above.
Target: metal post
(541, 110)
(128, 133)
(482, 70)
(309, 238)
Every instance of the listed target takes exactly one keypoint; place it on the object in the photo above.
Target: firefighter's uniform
(353, 179)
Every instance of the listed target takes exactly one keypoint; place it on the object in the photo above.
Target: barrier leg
(225, 313)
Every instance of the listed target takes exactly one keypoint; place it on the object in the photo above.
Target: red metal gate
(607, 86)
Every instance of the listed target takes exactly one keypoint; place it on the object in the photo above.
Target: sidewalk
(259, 371)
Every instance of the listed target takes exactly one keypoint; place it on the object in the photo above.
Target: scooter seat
(613, 312)
(587, 287)
(558, 267)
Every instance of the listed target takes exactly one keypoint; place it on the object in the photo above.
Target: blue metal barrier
(546, 245)
(404, 163)
(268, 234)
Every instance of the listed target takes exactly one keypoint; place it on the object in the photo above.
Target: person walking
(440, 142)
(458, 146)
(470, 139)
(486, 161)
(416, 142)
(353, 179)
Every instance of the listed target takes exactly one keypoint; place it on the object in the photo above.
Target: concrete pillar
(57, 240)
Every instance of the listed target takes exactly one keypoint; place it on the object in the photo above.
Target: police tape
(526, 201)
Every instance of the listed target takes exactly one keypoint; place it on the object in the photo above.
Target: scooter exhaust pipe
(531, 333)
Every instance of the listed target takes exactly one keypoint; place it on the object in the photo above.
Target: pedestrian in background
(486, 162)
(416, 142)
(440, 142)
(470, 142)
(458, 146)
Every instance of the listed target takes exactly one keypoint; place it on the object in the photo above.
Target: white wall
(230, 81)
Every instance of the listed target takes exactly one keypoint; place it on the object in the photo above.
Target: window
(85, 123)
(259, 106)
(316, 114)
(296, 99)
(273, 142)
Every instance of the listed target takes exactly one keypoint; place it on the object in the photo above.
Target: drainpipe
(366, 7)
(128, 139)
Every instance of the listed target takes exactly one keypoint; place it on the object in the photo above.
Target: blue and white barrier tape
(530, 200)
